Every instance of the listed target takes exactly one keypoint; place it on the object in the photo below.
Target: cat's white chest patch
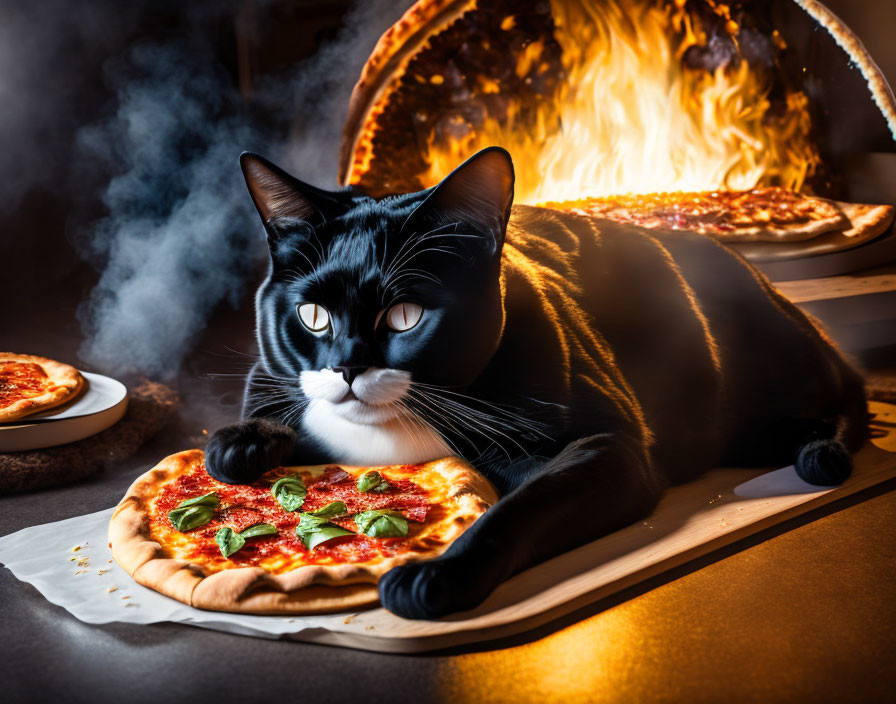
(397, 441)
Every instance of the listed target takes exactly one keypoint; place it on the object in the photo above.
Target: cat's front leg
(593, 487)
(242, 452)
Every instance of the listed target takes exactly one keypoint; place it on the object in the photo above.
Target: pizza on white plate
(31, 384)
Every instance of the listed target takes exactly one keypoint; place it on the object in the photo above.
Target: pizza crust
(306, 589)
(66, 384)
(378, 79)
(860, 222)
(795, 232)
(866, 221)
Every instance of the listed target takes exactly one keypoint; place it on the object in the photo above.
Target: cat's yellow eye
(314, 317)
(404, 316)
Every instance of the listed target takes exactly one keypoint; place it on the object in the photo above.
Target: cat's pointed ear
(478, 192)
(278, 195)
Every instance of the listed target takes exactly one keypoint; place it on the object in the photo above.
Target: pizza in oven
(299, 540)
(30, 384)
(770, 214)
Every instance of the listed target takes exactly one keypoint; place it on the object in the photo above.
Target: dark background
(806, 613)
(73, 69)
(80, 173)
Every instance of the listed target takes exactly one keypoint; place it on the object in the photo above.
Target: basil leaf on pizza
(190, 517)
(258, 530)
(209, 499)
(322, 534)
(229, 541)
(290, 492)
(314, 530)
(372, 481)
(333, 509)
(382, 523)
(195, 512)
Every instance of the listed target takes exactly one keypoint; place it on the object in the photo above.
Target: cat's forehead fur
(385, 216)
(367, 218)
(351, 253)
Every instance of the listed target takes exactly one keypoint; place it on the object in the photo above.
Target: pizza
(866, 221)
(299, 540)
(30, 384)
(769, 214)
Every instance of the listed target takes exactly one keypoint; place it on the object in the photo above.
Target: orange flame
(632, 118)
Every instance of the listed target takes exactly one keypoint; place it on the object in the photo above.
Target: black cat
(582, 365)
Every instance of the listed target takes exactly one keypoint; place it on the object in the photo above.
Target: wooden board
(879, 280)
(690, 521)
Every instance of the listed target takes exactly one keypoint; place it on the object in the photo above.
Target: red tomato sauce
(243, 506)
(20, 380)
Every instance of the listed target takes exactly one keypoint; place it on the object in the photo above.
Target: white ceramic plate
(101, 405)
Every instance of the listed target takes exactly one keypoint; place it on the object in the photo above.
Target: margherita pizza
(31, 384)
(769, 214)
(299, 540)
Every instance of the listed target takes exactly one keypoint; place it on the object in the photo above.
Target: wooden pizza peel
(724, 506)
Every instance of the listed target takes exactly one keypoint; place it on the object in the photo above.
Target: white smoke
(180, 235)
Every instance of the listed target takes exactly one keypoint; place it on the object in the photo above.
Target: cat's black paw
(427, 590)
(241, 453)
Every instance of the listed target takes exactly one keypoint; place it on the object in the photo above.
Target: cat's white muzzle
(372, 398)
(366, 423)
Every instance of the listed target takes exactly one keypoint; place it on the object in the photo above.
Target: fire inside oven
(681, 99)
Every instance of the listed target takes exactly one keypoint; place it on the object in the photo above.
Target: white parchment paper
(69, 562)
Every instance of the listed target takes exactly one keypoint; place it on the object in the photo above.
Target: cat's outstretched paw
(241, 453)
(427, 590)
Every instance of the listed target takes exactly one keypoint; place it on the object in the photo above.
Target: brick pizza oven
(604, 97)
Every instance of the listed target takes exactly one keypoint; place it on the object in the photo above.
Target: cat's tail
(826, 458)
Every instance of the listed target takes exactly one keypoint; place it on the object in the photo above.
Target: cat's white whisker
(436, 393)
(450, 418)
(298, 272)
(432, 423)
(317, 244)
(474, 420)
(415, 274)
(422, 418)
(503, 413)
(409, 425)
(484, 421)
(403, 257)
(443, 250)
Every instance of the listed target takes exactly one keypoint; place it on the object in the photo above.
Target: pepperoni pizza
(770, 214)
(299, 540)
